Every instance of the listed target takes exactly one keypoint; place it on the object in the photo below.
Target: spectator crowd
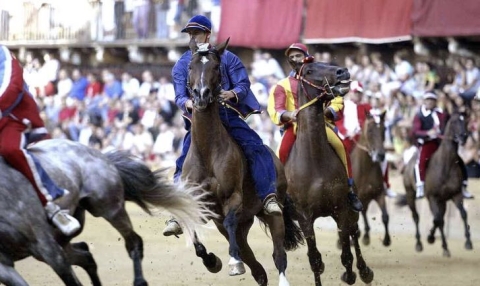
(119, 111)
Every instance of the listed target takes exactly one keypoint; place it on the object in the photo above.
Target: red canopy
(271, 24)
(372, 21)
(441, 18)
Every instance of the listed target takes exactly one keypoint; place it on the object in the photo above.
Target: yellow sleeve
(336, 107)
(278, 102)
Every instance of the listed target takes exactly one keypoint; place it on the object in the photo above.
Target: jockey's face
(199, 36)
(296, 56)
(430, 103)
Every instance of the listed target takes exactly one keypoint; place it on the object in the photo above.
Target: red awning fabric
(442, 18)
(372, 21)
(273, 24)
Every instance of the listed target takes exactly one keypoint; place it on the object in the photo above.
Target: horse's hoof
(366, 275)
(216, 267)
(322, 268)
(468, 245)
(431, 239)
(419, 247)
(140, 282)
(446, 253)
(366, 240)
(349, 279)
(236, 267)
(387, 241)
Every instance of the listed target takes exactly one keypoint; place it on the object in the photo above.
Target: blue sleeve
(179, 75)
(237, 75)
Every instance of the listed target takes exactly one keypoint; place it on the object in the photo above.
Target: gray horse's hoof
(431, 239)
(387, 241)
(349, 279)
(468, 245)
(366, 275)
(366, 240)
(446, 253)
(140, 282)
(419, 247)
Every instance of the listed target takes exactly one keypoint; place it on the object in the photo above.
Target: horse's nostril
(342, 73)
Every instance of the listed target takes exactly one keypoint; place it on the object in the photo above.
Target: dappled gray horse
(98, 183)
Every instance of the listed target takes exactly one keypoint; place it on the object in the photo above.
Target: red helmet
(356, 86)
(297, 46)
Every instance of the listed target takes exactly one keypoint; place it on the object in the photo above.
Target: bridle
(324, 90)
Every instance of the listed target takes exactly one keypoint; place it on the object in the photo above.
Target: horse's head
(204, 77)
(323, 81)
(456, 128)
(374, 134)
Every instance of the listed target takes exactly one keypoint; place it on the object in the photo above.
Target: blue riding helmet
(198, 22)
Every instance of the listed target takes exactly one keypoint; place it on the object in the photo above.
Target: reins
(323, 89)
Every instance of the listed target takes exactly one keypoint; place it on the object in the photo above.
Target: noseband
(203, 53)
(323, 90)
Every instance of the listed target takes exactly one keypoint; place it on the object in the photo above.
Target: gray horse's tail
(151, 189)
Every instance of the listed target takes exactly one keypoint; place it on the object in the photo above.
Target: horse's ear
(223, 46)
(193, 45)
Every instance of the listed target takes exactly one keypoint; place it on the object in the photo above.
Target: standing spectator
(161, 11)
(141, 12)
(119, 10)
(49, 72)
(472, 81)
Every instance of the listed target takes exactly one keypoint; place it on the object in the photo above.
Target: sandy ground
(170, 261)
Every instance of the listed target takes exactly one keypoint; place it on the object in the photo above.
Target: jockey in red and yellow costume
(283, 108)
(20, 123)
(428, 125)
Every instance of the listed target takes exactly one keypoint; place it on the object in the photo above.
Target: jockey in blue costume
(237, 94)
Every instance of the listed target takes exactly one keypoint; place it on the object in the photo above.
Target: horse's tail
(401, 200)
(293, 234)
(150, 189)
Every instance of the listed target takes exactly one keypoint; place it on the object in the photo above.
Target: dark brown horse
(216, 163)
(366, 158)
(443, 182)
(317, 180)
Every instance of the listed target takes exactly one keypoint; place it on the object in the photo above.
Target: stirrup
(466, 194)
(62, 220)
(420, 192)
(271, 206)
(172, 228)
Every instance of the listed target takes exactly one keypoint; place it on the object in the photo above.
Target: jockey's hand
(292, 115)
(227, 94)
(328, 113)
(432, 133)
(189, 104)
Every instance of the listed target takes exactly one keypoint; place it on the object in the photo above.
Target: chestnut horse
(216, 163)
(443, 182)
(317, 180)
(366, 157)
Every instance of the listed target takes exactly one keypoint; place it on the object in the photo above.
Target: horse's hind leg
(366, 235)
(458, 200)
(366, 274)
(411, 204)
(10, 277)
(133, 242)
(246, 253)
(438, 210)
(314, 256)
(385, 218)
(210, 260)
(277, 231)
(79, 254)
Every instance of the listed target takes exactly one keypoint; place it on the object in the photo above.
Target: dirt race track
(169, 261)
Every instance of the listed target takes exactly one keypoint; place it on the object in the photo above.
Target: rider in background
(236, 93)
(20, 124)
(428, 125)
(283, 110)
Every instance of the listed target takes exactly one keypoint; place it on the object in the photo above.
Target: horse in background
(443, 182)
(366, 157)
(216, 163)
(97, 183)
(317, 180)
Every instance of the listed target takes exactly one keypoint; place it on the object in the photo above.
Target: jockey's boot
(420, 192)
(271, 206)
(466, 194)
(354, 202)
(172, 228)
(66, 223)
(389, 193)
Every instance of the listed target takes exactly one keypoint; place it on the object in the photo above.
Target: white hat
(356, 86)
(430, 95)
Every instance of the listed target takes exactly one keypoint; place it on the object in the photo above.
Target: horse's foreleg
(366, 235)
(231, 223)
(314, 256)
(458, 200)
(51, 253)
(79, 254)
(366, 274)
(411, 204)
(210, 260)
(277, 231)
(133, 242)
(438, 210)
(246, 253)
(10, 277)
(348, 276)
(385, 218)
